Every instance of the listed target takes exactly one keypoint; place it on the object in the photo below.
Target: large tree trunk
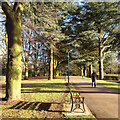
(35, 61)
(35, 68)
(55, 67)
(87, 72)
(100, 57)
(82, 71)
(90, 70)
(51, 65)
(14, 67)
(26, 61)
(101, 69)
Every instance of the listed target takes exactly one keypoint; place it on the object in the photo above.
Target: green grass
(45, 91)
(35, 91)
(107, 83)
(17, 113)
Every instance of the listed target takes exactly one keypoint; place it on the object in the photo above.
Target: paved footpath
(102, 100)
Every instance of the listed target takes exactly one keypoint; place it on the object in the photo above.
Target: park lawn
(107, 83)
(41, 91)
(33, 93)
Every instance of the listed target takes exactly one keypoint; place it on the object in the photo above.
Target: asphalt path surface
(102, 101)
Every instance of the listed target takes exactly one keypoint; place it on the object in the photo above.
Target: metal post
(68, 67)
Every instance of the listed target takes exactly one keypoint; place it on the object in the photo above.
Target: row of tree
(46, 31)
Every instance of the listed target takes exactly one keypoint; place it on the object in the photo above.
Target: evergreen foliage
(92, 26)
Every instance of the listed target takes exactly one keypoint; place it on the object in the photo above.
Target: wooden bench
(77, 101)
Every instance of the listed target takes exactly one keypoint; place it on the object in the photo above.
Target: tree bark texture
(14, 67)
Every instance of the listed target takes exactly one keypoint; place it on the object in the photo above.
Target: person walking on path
(94, 79)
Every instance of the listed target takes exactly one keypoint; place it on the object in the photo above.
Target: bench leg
(72, 106)
(83, 108)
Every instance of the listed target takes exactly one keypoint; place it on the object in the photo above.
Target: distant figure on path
(94, 79)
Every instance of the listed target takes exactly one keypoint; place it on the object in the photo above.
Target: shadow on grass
(38, 106)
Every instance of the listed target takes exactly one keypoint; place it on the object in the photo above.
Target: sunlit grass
(109, 83)
(45, 91)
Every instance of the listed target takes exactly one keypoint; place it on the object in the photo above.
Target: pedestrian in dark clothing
(93, 79)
